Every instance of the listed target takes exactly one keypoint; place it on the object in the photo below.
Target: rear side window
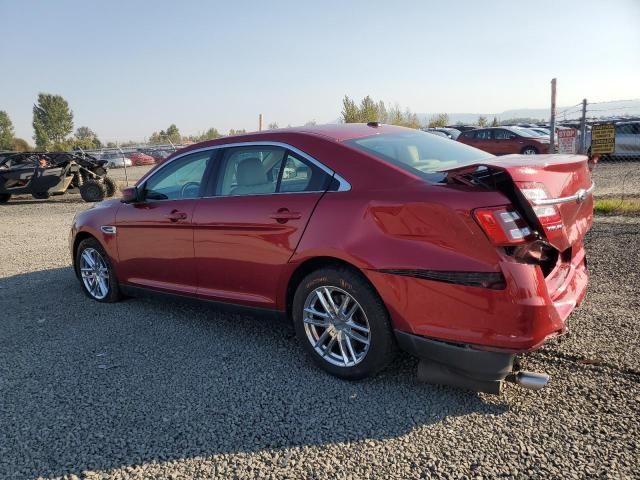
(419, 153)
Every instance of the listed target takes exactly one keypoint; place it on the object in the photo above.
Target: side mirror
(130, 195)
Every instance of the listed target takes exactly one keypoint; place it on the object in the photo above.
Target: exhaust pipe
(530, 380)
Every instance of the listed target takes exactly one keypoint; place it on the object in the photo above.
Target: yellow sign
(603, 139)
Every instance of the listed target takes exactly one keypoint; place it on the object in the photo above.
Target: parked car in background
(451, 133)
(627, 140)
(436, 132)
(505, 140)
(139, 159)
(463, 128)
(116, 160)
(367, 237)
(541, 131)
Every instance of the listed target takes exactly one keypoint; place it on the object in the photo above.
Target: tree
(6, 131)
(86, 139)
(350, 111)
(20, 145)
(482, 121)
(210, 134)
(368, 110)
(237, 132)
(495, 123)
(273, 126)
(52, 120)
(171, 135)
(440, 120)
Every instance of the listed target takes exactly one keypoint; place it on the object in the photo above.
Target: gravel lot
(152, 389)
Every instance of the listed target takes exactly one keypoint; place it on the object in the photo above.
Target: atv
(45, 174)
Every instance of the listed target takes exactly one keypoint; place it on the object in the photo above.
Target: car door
(245, 233)
(155, 234)
(504, 142)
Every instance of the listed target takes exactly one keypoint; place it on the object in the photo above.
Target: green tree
(394, 115)
(52, 120)
(368, 110)
(237, 132)
(350, 111)
(439, 120)
(20, 145)
(273, 126)
(171, 135)
(482, 121)
(210, 134)
(495, 123)
(6, 131)
(86, 139)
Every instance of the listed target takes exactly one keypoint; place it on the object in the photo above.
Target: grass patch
(617, 205)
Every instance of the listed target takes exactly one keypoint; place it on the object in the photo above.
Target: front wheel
(4, 197)
(342, 323)
(95, 272)
(110, 185)
(529, 151)
(41, 195)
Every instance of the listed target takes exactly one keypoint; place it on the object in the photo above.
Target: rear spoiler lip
(579, 197)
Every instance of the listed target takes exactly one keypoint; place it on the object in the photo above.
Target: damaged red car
(368, 237)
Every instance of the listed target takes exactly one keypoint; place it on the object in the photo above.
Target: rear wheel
(41, 195)
(93, 191)
(529, 151)
(111, 186)
(4, 197)
(342, 323)
(95, 272)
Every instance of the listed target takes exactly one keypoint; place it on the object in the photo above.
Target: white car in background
(116, 160)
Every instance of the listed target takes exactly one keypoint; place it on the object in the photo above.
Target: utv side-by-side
(45, 174)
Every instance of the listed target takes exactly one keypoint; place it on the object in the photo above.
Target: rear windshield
(420, 153)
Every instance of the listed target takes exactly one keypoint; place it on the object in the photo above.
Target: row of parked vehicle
(531, 139)
(133, 158)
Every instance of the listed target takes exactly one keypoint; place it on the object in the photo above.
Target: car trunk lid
(554, 192)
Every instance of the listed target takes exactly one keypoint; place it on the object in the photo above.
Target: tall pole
(552, 122)
(583, 128)
(260, 122)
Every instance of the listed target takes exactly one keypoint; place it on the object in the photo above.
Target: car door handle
(176, 215)
(284, 215)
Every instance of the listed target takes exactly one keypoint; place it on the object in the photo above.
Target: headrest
(250, 172)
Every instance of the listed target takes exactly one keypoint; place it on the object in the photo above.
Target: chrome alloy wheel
(336, 326)
(95, 273)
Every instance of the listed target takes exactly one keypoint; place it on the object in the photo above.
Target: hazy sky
(129, 68)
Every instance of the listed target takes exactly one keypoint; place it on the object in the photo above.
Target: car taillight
(503, 225)
(548, 215)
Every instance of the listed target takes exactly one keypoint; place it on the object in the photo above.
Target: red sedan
(138, 159)
(368, 237)
(505, 140)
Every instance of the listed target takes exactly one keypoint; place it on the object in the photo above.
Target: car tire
(5, 197)
(354, 344)
(98, 283)
(110, 185)
(41, 195)
(529, 150)
(93, 191)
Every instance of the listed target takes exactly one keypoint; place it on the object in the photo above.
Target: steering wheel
(187, 186)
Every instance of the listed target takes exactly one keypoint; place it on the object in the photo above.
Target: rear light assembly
(548, 215)
(503, 225)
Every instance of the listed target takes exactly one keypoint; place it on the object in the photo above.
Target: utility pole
(552, 122)
(260, 122)
(583, 128)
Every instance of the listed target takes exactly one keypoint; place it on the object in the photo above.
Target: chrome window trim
(578, 197)
(343, 185)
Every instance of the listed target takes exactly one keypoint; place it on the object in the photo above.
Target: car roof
(331, 132)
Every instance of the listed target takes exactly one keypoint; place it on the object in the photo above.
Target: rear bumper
(519, 318)
(477, 364)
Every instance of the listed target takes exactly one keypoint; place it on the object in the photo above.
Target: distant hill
(604, 109)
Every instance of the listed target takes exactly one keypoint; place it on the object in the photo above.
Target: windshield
(420, 153)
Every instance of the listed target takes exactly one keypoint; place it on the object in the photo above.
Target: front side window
(180, 179)
(419, 153)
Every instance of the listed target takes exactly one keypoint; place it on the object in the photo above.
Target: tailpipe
(530, 380)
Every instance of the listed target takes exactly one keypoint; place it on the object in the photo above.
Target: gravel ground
(617, 177)
(152, 389)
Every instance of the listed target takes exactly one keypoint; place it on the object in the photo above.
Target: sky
(129, 68)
